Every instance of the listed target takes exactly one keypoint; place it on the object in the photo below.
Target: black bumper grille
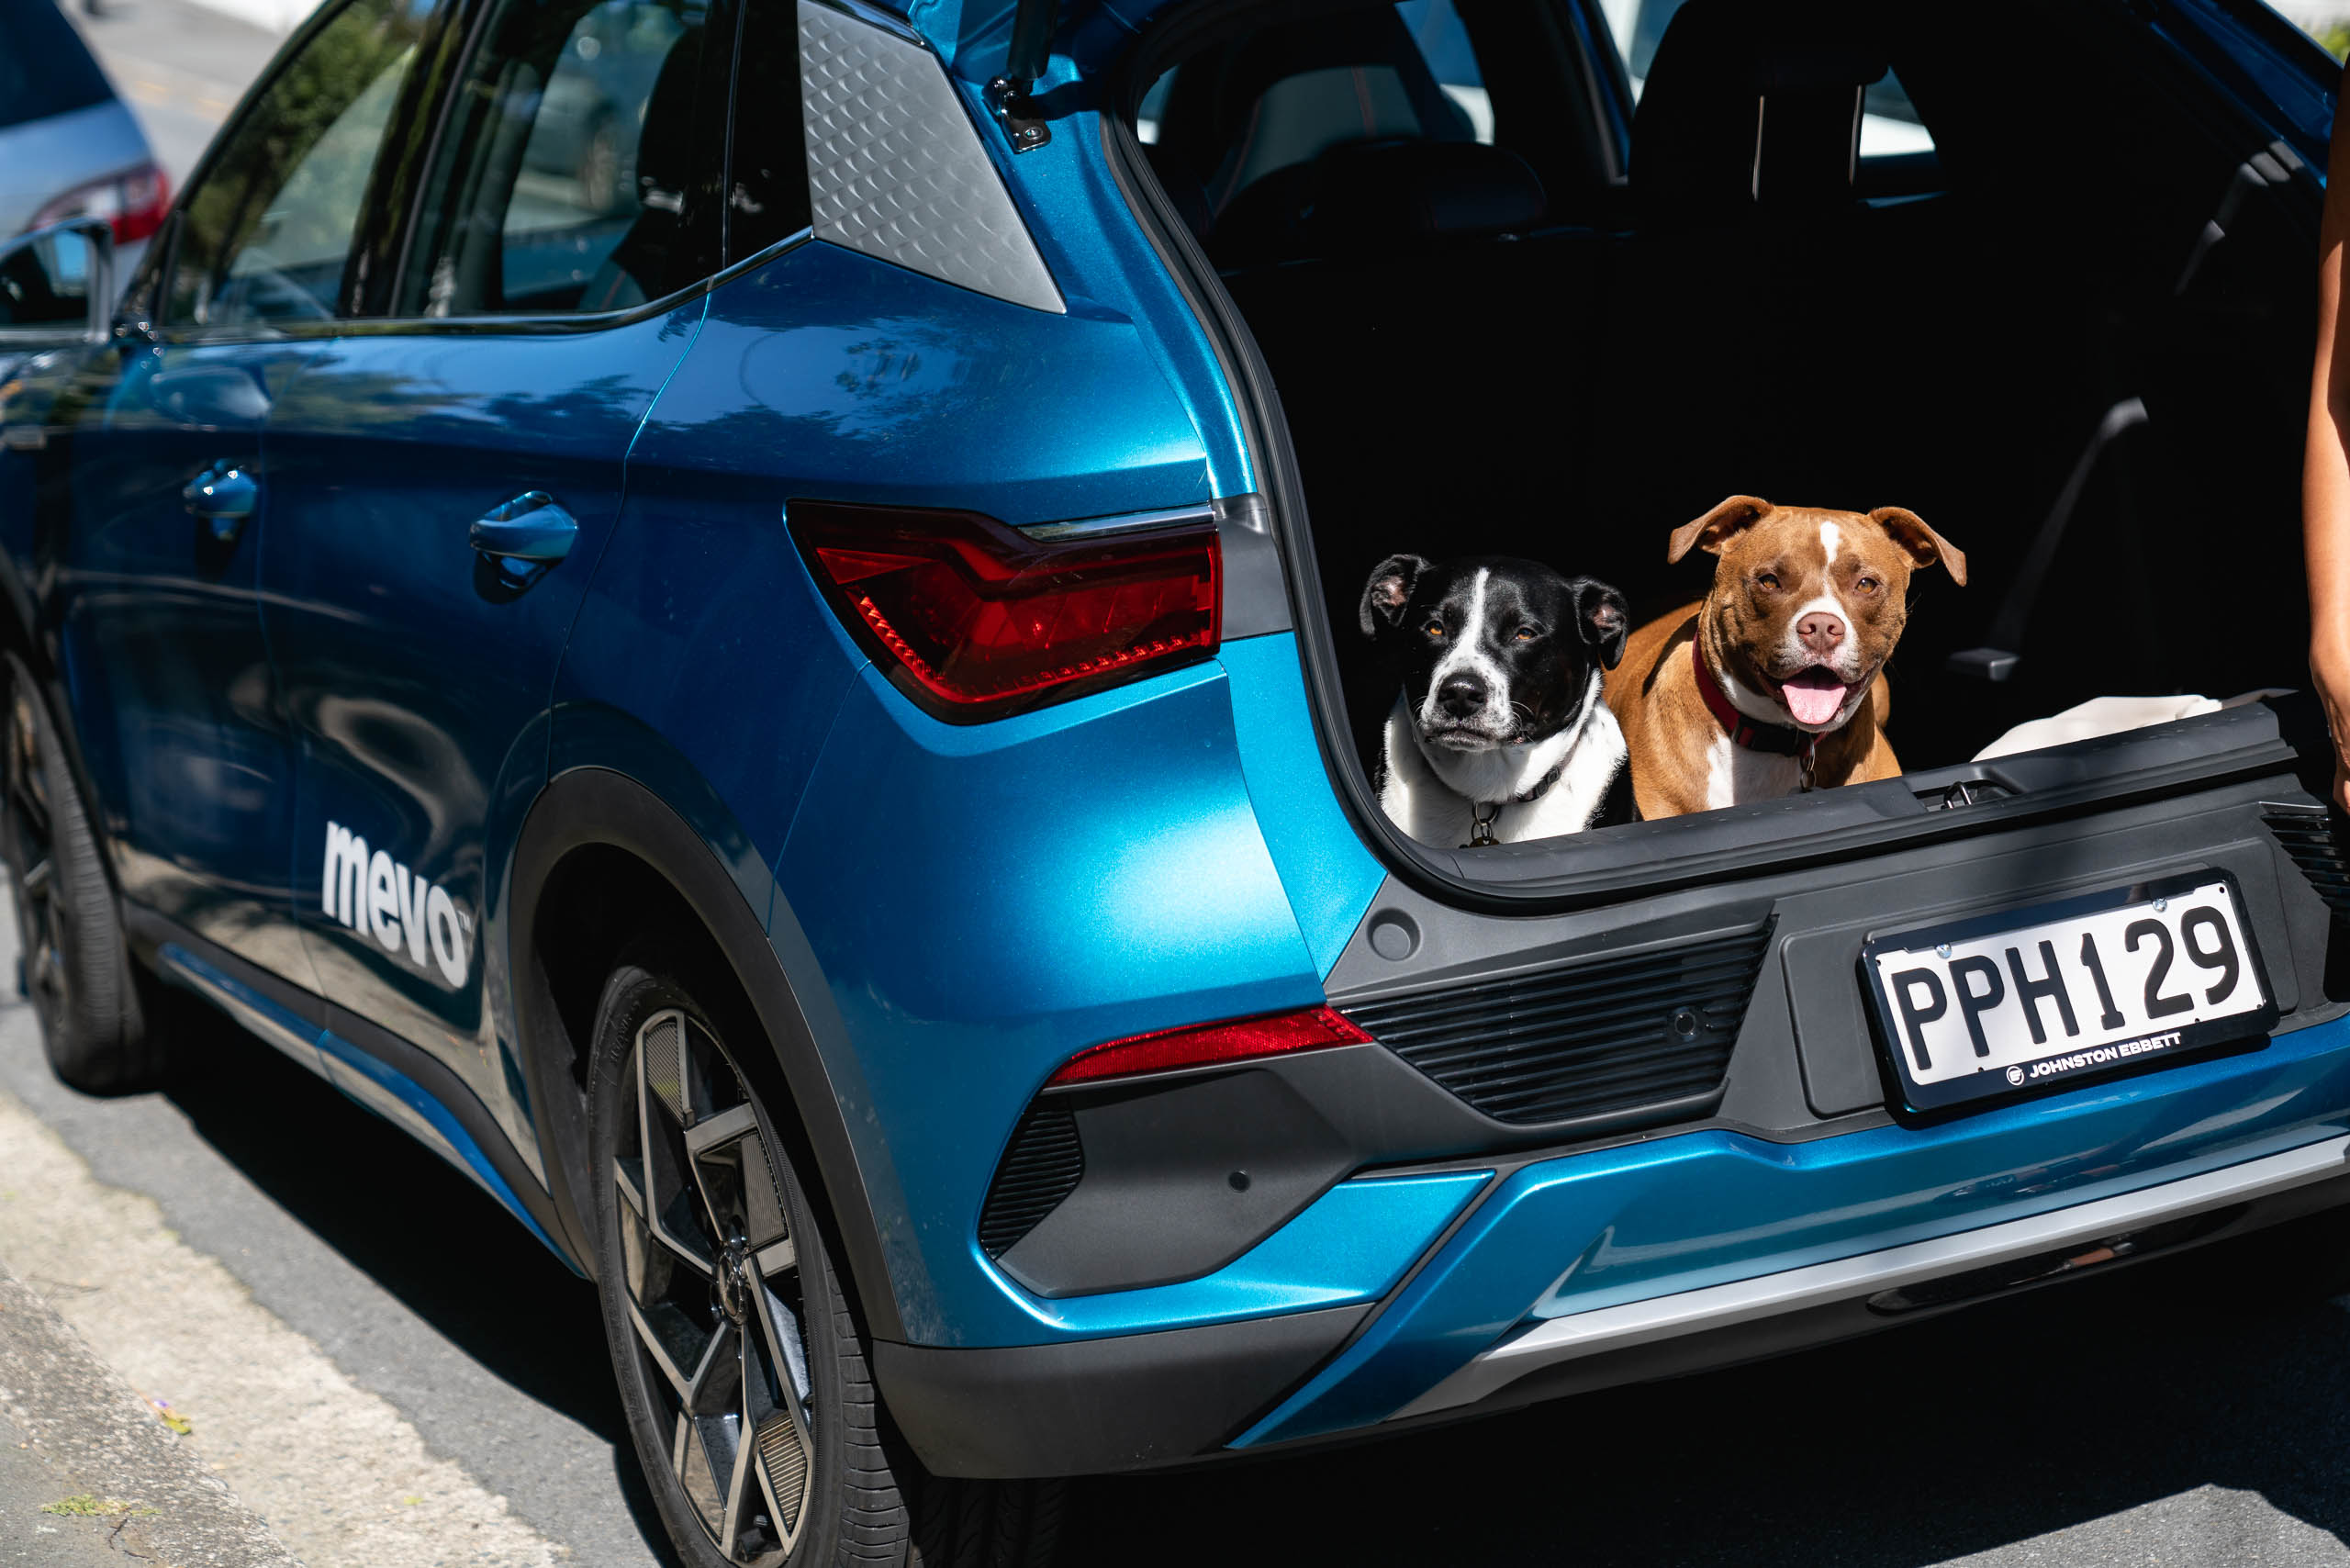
(1043, 1166)
(1614, 1038)
(2309, 839)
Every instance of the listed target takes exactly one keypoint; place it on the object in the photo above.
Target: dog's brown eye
(1866, 585)
(1526, 634)
(1768, 580)
(1435, 628)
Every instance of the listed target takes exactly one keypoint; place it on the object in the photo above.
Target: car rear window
(44, 69)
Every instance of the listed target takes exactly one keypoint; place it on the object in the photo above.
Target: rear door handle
(223, 496)
(531, 528)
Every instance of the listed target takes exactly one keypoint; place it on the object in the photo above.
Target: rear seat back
(1276, 99)
(1753, 109)
(1366, 199)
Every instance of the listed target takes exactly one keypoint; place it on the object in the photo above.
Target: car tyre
(73, 965)
(725, 1314)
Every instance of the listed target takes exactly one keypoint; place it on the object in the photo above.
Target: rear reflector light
(973, 619)
(1211, 1044)
(134, 203)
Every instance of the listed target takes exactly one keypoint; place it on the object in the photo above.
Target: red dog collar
(1779, 738)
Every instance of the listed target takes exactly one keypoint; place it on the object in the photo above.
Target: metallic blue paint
(413, 668)
(1675, 1214)
(1329, 873)
(391, 1094)
(978, 918)
(403, 1102)
(174, 706)
(827, 373)
(1104, 262)
(281, 1026)
(1349, 1245)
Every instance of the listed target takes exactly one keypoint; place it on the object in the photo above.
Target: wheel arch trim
(592, 805)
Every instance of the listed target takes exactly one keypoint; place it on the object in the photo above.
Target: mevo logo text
(376, 894)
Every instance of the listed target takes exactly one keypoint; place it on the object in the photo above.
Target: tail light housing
(973, 619)
(133, 201)
(1210, 1045)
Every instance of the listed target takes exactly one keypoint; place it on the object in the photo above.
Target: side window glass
(766, 188)
(580, 168)
(1444, 44)
(895, 167)
(1890, 126)
(267, 231)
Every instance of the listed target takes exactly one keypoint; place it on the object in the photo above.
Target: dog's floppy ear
(1389, 591)
(1718, 527)
(1605, 618)
(1907, 529)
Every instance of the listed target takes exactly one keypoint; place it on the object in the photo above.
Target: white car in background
(69, 147)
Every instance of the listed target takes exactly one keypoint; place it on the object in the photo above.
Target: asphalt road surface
(2193, 1410)
(181, 67)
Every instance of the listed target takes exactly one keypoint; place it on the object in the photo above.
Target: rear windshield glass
(44, 69)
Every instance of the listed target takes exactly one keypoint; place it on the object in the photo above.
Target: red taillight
(1212, 1045)
(974, 620)
(133, 203)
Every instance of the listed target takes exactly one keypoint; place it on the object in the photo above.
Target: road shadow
(458, 1260)
(1996, 1424)
(1968, 1433)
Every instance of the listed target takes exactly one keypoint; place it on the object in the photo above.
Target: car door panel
(414, 666)
(175, 701)
(444, 479)
(153, 546)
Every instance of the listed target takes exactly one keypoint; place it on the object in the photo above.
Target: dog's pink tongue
(1813, 704)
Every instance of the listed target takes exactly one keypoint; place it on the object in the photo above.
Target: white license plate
(2009, 1003)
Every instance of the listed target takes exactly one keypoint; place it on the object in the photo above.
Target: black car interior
(496, 236)
(2074, 336)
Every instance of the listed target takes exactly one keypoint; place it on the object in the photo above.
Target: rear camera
(1685, 1023)
(1240, 1181)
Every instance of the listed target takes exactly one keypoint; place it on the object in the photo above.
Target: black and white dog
(1499, 734)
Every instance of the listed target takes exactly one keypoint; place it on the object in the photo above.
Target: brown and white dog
(1774, 682)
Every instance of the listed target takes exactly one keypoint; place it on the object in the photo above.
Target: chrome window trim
(1200, 515)
(559, 321)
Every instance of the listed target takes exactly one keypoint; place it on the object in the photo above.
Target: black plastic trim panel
(150, 931)
(1096, 1405)
(1616, 1039)
(596, 806)
(1043, 1166)
(1806, 1064)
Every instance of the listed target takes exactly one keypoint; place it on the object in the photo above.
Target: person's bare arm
(2325, 466)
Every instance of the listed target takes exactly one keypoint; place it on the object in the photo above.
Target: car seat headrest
(1280, 97)
(1754, 104)
(1371, 193)
(1378, 197)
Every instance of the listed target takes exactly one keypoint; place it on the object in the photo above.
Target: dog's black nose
(1461, 697)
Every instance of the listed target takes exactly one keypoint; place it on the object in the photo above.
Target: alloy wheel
(712, 1284)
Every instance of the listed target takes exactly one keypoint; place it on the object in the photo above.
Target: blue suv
(788, 695)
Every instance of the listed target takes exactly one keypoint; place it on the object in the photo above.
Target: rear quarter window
(44, 69)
